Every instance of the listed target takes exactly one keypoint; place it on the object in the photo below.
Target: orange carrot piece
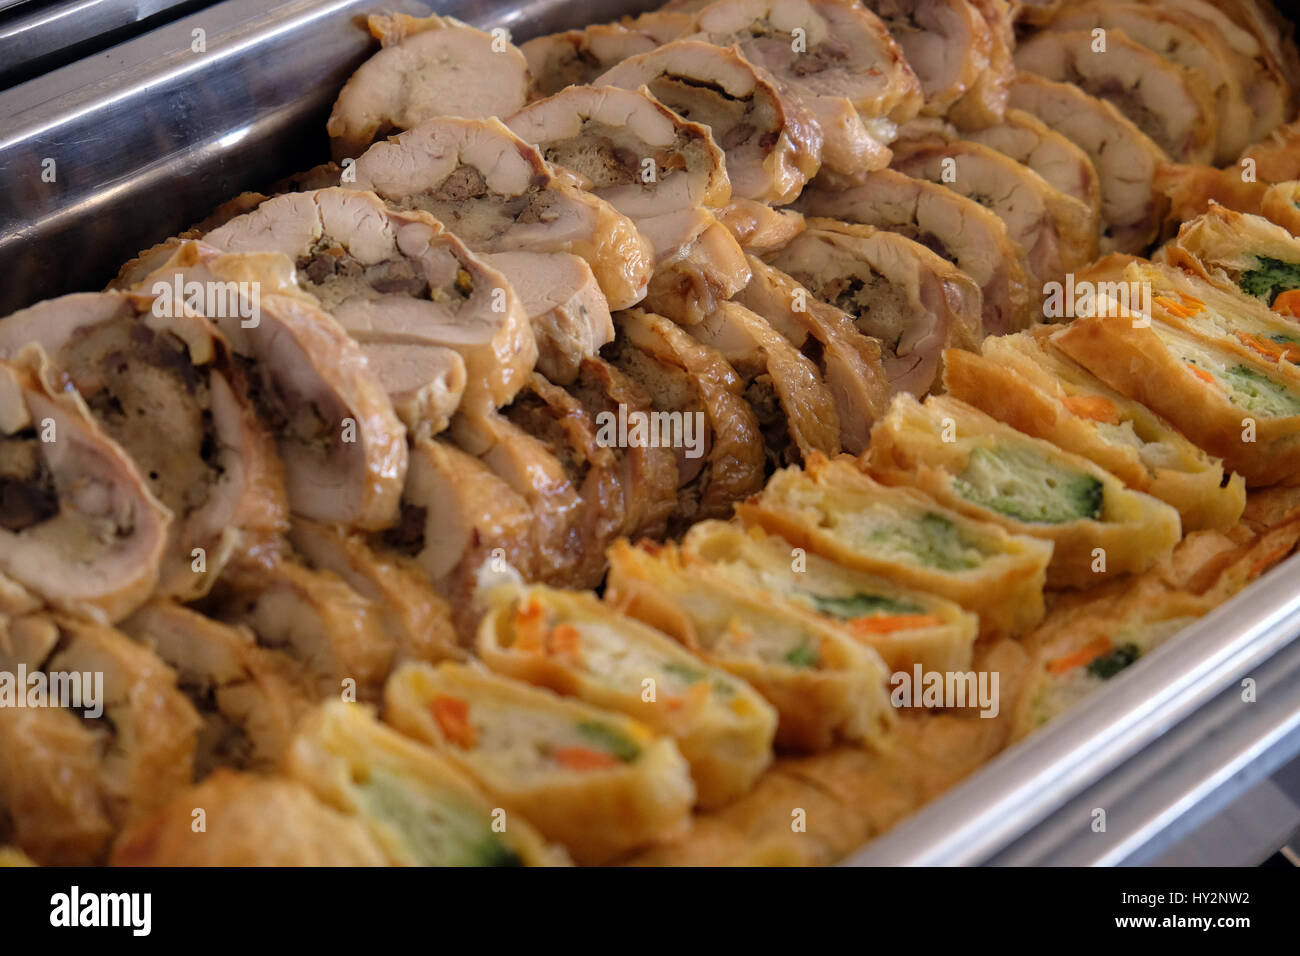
(1099, 408)
(1202, 374)
(889, 623)
(529, 619)
(452, 715)
(583, 758)
(1085, 655)
(1288, 302)
(565, 639)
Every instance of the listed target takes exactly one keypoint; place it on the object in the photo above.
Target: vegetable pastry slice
(834, 509)
(980, 467)
(574, 644)
(1244, 411)
(420, 809)
(250, 820)
(824, 685)
(591, 779)
(1241, 252)
(1226, 320)
(1019, 379)
(905, 627)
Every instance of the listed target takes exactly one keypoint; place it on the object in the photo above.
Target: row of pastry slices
(603, 721)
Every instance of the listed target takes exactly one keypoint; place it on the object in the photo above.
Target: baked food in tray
(546, 316)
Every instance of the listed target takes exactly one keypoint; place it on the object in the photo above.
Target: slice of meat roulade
(912, 301)
(772, 143)
(497, 194)
(394, 277)
(80, 528)
(1127, 160)
(429, 66)
(958, 229)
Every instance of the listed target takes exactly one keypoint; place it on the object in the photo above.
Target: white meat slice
(758, 227)
(431, 66)
(698, 264)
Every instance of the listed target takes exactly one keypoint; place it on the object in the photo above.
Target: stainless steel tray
(149, 137)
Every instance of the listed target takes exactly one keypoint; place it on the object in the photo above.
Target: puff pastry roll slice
(574, 644)
(1228, 320)
(600, 783)
(824, 685)
(1240, 252)
(1244, 411)
(905, 627)
(419, 808)
(250, 821)
(1019, 379)
(980, 467)
(834, 509)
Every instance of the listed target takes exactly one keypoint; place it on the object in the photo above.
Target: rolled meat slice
(336, 636)
(577, 57)
(985, 102)
(342, 443)
(958, 229)
(1187, 41)
(569, 313)
(758, 227)
(1127, 160)
(795, 410)
(395, 277)
(1172, 105)
(80, 528)
(913, 302)
(161, 381)
(1055, 230)
(148, 729)
(836, 59)
(249, 697)
(697, 409)
(947, 43)
(849, 361)
(498, 194)
(698, 264)
(414, 615)
(429, 66)
(648, 474)
(1027, 139)
(773, 145)
(639, 156)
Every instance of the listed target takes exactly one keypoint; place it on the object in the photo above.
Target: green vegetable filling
(439, 830)
(608, 739)
(805, 655)
(1270, 278)
(933, 540)
(1024, 485)
(1108, 665)
(861, 605)
(1257, 392)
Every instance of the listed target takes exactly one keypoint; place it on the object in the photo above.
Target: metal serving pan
(149, 137)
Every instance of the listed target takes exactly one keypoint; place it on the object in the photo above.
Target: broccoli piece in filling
(1269, 278)
(1108, 665)
(1024, 485)
(860, 605)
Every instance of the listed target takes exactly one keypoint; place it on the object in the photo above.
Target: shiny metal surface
(1164, 737)
(35, 37)
(148, 137)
